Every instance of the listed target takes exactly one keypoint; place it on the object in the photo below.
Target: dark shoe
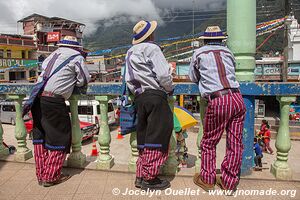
(138, 182)
(40, 183)
(227, 191)
(62, 178)
(155, 184)
(257, 168)
(205, 186)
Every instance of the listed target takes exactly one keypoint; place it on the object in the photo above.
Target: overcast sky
(90, 11)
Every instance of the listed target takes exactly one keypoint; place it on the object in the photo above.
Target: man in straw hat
(213, 69)
(51, 121)
(149, 78)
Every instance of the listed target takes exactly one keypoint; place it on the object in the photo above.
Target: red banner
(53, 37)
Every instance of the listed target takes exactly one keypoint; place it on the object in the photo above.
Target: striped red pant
(149, 162)
(48, 163)
(223, 113)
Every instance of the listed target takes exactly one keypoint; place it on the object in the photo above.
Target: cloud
(91, 11)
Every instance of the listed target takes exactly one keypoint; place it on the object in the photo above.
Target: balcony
(6, 40)
(285, 92)
(47, 48)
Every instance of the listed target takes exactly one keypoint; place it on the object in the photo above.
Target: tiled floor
(17, 181)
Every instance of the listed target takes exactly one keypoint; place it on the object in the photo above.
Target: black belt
(154, 92)
(51, 94)
(221, 93)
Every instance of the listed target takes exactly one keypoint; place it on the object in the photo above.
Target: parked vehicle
(88, 130)
(8, 112)
(89, 111)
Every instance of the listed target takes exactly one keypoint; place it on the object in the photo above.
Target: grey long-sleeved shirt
(73, 74)
(147, 68)
(213, 68)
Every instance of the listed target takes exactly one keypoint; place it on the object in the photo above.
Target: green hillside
(180, 23)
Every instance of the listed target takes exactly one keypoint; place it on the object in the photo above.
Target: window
(1, 53)
(98, 109)
(110, 108)
(2, 77)
(23, 54)
(9, 108)
(85, 110)
(8, 53)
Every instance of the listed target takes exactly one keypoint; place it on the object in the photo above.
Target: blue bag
(128, 113)
(39, 87)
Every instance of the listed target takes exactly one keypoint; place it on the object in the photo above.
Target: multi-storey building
(17, 58)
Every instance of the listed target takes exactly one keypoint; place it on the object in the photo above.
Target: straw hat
(213, 32)
(69, 41)
(142, 30)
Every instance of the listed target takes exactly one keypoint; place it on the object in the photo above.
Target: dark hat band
(143, 32)
(69, 42)
(213, 34)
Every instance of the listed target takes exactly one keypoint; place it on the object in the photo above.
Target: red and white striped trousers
(48, 163)
(223, 113)
(149, 163)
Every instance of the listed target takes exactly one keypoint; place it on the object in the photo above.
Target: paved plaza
(17, 180)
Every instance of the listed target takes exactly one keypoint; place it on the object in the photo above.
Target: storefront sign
(53, 37)
(4, 63)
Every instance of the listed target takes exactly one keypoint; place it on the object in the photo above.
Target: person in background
(149, 78)
(51, 121)
(267, 139)
(181, 149)
(117, 115)
(212, 67)
(258, 156)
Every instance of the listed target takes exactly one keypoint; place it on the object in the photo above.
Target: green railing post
(3, 150)
(23, 153)
(203, 105)
(280, 168)
(76, 158)
(134, 151)
(171, 165)
(104, 160)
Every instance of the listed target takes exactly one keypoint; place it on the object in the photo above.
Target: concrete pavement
(120, 149)
(17, 181)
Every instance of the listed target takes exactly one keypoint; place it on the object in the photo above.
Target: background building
(17, 58)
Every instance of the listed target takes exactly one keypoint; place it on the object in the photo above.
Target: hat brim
(68, 45)
(211, 38)
(149, 32)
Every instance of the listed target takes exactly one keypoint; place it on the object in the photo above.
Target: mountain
(180, 23)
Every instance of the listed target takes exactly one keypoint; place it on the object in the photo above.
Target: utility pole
(287, 22)
(193, 18)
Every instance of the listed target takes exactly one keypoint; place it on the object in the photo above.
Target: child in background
(258, 156)
(117, 115)
(181, 149)
(267, 139)
(261, 132)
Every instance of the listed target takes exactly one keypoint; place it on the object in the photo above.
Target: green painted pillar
(104, 160)
(203, 105)
(3, 150)
(134, 153)
(171, 165)
(23, 153)
(241, 30)
(76, 158)
(280, 168)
